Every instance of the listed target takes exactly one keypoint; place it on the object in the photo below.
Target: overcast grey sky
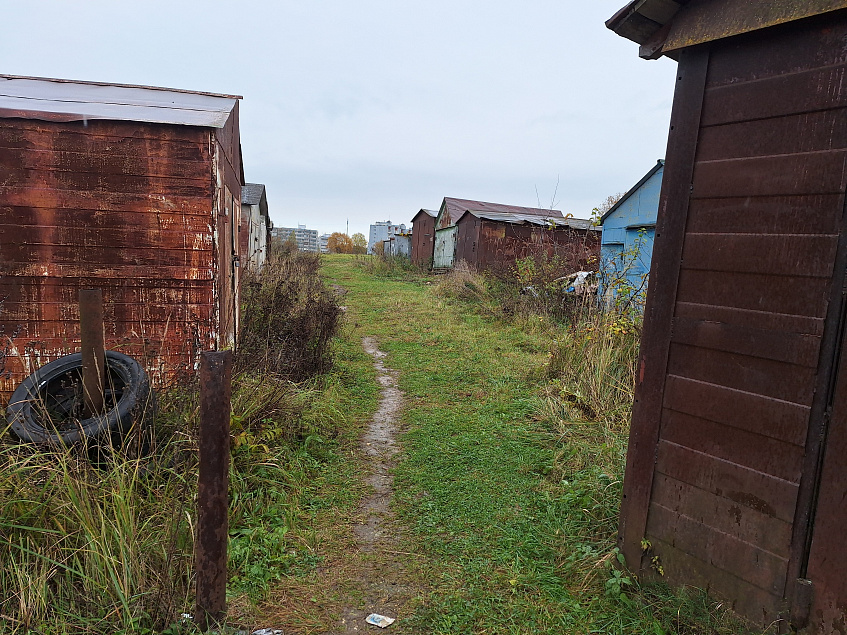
(372, 109)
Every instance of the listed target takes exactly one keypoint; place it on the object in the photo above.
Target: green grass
(514, 508)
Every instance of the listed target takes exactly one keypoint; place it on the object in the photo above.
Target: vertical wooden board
(661, 294)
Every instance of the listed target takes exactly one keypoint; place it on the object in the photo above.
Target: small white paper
(379, 620)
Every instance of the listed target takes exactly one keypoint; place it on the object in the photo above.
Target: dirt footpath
(380, 584)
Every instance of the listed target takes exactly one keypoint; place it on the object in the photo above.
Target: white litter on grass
(379, 620)
(268, 631)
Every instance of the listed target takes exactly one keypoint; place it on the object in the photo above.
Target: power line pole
(348, 227)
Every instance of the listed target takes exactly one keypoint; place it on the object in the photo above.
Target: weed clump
(463, 282)
(289, 318)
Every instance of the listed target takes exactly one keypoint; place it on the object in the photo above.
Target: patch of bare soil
(380, 582)
(365, 572)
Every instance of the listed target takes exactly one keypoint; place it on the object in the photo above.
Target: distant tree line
(341, 243)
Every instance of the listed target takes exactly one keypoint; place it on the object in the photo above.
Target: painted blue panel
(627, 239)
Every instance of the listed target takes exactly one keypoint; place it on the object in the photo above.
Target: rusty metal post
(212, 489)
(93, 349)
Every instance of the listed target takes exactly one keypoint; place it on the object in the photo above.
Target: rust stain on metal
(124, 206)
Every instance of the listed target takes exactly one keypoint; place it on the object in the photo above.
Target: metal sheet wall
(487, 244)
(739, 322)
(423, 239)
(122, 206)
(445, 248)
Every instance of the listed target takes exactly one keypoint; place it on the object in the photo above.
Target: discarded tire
(45, 408)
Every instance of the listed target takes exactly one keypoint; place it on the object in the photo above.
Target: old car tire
(53, 391)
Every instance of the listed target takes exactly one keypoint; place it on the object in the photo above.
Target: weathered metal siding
(423, 239)
(228, 168)
(121, 206)
(487, 244)
(445, 248)
(740, 326)
(467, 239)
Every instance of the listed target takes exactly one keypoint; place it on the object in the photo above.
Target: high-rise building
(307, 239)
(383, 230)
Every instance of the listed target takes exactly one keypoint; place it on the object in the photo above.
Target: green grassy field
(513, 509)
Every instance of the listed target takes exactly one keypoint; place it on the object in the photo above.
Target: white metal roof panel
(64, 100)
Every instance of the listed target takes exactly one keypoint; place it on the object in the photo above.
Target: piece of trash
(267, 631)
(379, 620)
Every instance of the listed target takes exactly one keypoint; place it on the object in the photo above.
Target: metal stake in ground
(93, 350)
(212, 500)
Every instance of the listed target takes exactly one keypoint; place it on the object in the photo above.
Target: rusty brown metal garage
(423, 237)
(132, 189)
(735, 477)
(491, 240)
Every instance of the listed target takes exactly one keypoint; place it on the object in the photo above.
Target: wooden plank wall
(755, 278)
(126, 207)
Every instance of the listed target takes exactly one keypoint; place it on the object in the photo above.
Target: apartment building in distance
(307, 239)
(382, 231)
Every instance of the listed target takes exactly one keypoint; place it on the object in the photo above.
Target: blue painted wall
(627, 239)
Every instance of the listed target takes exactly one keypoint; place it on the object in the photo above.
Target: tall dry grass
(110, 549)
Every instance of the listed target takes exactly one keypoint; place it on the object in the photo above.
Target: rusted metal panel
(141, 229)
(486, 243)
(423, 237)
(452, 209)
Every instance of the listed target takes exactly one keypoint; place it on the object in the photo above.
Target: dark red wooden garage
(735, 478)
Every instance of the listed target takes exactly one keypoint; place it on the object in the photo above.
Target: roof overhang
(65, 100)
(665, 27)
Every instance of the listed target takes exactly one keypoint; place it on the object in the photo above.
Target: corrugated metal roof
(69, 100)
(531, 219)
(455, 207)
(251, 193)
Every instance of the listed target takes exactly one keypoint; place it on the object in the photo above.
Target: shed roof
(428, 212)
(71, 100)
(659, 164)
(531, 219)
(251, 193)
(662, 27)
(455, 207)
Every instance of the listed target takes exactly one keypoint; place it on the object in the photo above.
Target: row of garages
(492, 235)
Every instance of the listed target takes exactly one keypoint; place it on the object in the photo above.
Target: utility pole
(348, 227)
